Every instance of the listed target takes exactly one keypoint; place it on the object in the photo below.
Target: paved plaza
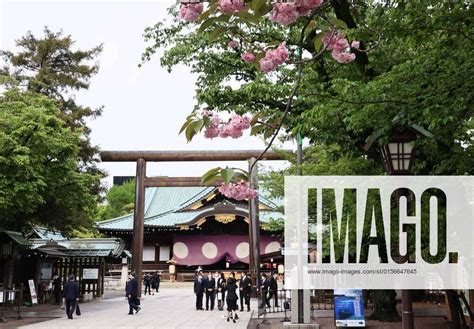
(171, 308)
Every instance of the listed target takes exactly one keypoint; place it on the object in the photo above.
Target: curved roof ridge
(206, 191)
(111, 220)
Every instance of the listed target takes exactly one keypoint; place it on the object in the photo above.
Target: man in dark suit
(132, 294)
(264, 286)
(71, 295)
(198, 290)
(245, 290)
(273, 289)
(57, 289)
(209, 286)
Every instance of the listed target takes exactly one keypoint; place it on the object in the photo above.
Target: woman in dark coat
(221, 284)
(231, 299)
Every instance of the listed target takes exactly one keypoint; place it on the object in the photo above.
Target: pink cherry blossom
(240, 122)
(343, 57)
(305, 7)
(355, 44)
(282, 52)
(234, 128)
(273, 58)
(248, 57)
(338, 44)
(284, 13)
(229, 131)
(190, 12)
(212, 131)
(335, 41)
(233, 44)
(238, 191)
(267, 65)
(230, 7)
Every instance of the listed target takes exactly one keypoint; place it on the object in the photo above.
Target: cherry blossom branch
(316, 56)
(290, 98)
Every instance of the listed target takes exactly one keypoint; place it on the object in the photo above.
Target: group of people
(219, 287)
(268, 290)
(152, 282)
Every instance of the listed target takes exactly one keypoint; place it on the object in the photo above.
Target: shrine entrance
(142, 182)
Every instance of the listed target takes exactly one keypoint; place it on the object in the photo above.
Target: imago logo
(336, 231)
(379, 232)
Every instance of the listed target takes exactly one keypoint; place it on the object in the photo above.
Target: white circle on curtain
(242, 250)
(272, 247)
(180, 250)
(209, 250)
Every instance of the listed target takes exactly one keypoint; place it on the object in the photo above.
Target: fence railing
(279, 301)
(10, 299)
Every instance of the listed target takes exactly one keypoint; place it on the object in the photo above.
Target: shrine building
(193, 227)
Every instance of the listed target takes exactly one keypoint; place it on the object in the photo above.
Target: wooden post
(138, 223)
(254, 229)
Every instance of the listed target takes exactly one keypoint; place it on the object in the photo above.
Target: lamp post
(397, 157)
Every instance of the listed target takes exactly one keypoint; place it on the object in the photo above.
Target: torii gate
(142, 182)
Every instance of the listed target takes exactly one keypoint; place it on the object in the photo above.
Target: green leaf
(263, 10)
(241, 175)
(191, 130)
(341, 24)
(198, 125)
(211, 175)
(207, 23)
(318, 42)
(212, 9)
(184, 126)
(256, 130)
(310, 28)
(227, 174)
(255, 119)
(247, 17)
(216, 33)
(258, 4)
(268, 133)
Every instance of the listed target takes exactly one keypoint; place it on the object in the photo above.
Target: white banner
(90, 274)
(34, 297)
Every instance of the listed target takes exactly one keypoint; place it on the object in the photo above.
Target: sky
(143, 107)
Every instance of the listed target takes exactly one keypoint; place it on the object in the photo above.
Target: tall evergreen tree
(50, 66)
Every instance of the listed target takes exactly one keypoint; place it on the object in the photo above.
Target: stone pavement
(171, 308)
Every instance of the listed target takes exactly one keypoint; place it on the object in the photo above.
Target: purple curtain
(209, 249)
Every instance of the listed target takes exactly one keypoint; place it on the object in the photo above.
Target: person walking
(57, 289)
(273, 292)
(221, 284)
(198, 290)
(244, 291)
(231, 299)
(209, 286)
(264, 287)
(71, 296)
(132, 294)
(147, 282)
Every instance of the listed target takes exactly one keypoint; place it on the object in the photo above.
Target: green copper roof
(44, 233)
(17, 237)
(164, 205)
(84, 247)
